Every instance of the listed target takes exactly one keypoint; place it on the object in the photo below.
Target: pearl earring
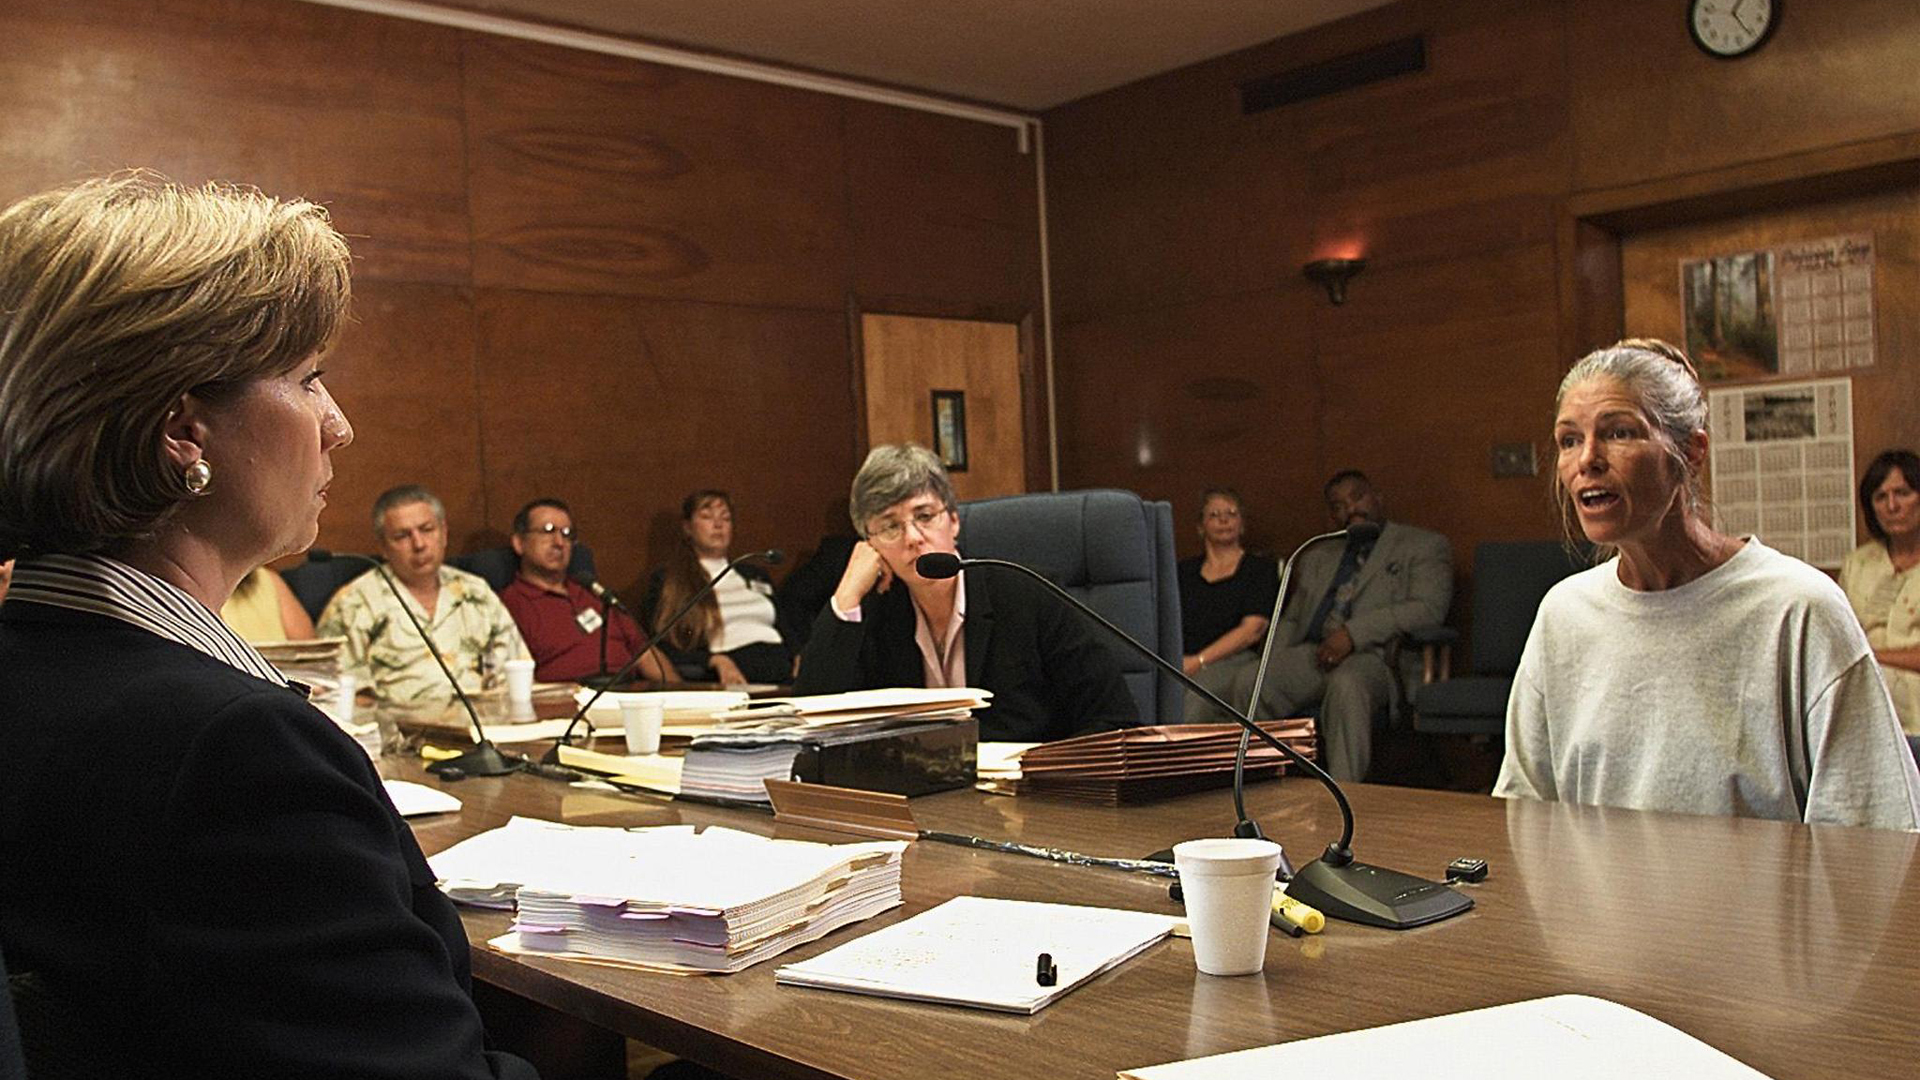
(199, 477)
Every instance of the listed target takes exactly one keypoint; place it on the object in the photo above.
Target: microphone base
(483, 760)
(603, 680)
(1374, 895)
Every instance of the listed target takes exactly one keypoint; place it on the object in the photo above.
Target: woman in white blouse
(730, 636)
(1879, 579)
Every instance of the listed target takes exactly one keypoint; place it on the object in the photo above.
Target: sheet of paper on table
(1569, 1037)
(413, 799)
(982, 952)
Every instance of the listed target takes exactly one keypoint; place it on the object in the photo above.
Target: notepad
(981, 952)
(1569, 1037)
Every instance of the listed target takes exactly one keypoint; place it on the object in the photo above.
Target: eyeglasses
(1226, 513)
(549, 529)
(890, 530)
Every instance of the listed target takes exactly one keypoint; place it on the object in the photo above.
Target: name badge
(589, 620)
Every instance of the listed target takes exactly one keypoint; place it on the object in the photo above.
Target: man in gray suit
(1339, 634)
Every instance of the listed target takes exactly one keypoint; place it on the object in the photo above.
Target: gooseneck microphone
(1336, 884)
(485, 759)
(1362, 530)
(771, 556)
(608, 601)
(601, 592)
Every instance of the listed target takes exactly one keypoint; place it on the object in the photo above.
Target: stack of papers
(764, 739)
(687, 712)
(820, 711)
(735, 766)
(1145, 763)
(667, 898)
(315, 662)
(980, 952)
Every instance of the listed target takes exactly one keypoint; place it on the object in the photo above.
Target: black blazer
(1050, 678)
(211, 868)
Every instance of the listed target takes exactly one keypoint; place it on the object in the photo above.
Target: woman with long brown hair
(731, 636)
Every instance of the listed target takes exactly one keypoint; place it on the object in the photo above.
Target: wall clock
(1726, 29)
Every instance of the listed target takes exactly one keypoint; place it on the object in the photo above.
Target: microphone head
(935, 565)
(1363, 530)
(773, 556)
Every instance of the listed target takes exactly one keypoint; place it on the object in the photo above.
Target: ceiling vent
(1402, 57)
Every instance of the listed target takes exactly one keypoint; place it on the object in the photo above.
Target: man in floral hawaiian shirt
(468, 622)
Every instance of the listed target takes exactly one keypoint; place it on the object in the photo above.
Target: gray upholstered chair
(1510, 578)
(1111, 549)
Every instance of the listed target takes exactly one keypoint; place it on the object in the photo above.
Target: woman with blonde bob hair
(194, 856)
(1692, 671)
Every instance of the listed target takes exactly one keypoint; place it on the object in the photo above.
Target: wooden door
(907, 359)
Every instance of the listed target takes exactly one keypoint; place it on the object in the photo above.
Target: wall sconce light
(1334, 274)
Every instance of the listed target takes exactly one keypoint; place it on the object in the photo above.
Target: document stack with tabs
(667, 898)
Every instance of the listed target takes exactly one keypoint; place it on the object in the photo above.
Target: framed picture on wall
(950, 428)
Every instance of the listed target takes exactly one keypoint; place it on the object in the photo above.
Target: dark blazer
(210, 869)
(1050, 678)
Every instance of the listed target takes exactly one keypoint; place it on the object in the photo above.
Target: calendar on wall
(1782, 466)
(1804, 308)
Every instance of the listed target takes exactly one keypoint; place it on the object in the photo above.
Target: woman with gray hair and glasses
(202, 873)
(1692, 671)
(996, 630)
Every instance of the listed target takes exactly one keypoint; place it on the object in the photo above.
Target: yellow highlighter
(1301, 915)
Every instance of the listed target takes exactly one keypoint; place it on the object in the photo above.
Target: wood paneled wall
(575, 275)
(1192, 352)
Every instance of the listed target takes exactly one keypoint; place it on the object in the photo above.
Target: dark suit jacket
(1406, 585)
(1050, 678)
(210, 869)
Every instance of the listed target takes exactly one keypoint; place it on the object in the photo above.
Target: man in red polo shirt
(560, 619)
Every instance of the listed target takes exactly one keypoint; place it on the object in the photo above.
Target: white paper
(982, 952)
(679, 706)
(413, 799)
(1570, 1037)
(716, 868)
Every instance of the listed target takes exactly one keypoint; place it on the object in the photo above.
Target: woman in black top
(1226, 596)
(197, 867)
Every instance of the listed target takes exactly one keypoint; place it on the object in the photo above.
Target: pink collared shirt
(944, 665)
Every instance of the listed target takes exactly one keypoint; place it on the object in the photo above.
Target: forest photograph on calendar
(1731, 333)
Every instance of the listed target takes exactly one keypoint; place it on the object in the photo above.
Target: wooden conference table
(1795, 949)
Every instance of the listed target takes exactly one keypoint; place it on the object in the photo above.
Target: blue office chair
(1111, 549)
(1510, 578)
(499, 565)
